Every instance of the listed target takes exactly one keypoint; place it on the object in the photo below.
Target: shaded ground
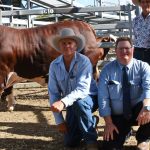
(31, 126)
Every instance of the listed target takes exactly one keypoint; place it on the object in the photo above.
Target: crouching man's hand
(144, 115)
(57, 106)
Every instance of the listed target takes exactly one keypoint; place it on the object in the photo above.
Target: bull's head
(100, 40)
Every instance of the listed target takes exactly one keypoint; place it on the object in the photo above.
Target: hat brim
(136, 2)
(79, 39)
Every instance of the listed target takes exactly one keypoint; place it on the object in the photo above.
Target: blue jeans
(80, 122)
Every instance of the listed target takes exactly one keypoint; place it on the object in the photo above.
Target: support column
(29, 16)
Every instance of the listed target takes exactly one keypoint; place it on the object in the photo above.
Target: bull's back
(30, 49)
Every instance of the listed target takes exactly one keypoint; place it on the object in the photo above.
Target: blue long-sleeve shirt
(70, 86)
(110, 95)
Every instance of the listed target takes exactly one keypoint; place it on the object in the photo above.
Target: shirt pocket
(114, 88)
(135, 89)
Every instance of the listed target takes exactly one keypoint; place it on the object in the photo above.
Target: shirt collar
(60, 61)
(60, 58)
(128, 66)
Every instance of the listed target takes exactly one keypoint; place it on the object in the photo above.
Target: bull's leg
(8, 93)
(11, 102)
(3, 97)
(96, 73)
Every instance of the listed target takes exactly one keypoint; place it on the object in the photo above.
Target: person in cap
(71, 86)
(141, 31)
(124, 98)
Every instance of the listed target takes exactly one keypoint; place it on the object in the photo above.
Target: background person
(71, 86)
(113, 98)
(141, 31)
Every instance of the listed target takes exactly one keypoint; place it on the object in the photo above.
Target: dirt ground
(31, 125)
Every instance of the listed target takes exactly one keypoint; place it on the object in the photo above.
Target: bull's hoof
(11, 108)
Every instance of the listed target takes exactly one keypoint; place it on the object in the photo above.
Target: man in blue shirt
(112, 102)
(71, 86)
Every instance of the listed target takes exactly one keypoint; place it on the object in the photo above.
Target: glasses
(124, 48)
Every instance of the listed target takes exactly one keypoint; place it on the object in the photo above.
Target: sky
(104, 2)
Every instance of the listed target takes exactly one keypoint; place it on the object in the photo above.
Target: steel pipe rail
(68, 10)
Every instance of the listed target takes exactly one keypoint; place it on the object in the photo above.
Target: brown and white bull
(28, 52)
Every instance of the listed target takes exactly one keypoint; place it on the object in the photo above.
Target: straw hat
(136, 2)
(68, 33)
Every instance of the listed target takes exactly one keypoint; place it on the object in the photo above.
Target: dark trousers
(142, 54)
(124, 127)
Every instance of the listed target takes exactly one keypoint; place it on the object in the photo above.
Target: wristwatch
(147, 108)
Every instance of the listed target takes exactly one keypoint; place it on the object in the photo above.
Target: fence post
(130, 20)
(29, 16)
(137, 11)
(11, 17)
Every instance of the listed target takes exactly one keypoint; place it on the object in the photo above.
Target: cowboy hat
(136, 2)
(68, 33)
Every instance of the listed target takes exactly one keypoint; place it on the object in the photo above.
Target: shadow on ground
(32, 126)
